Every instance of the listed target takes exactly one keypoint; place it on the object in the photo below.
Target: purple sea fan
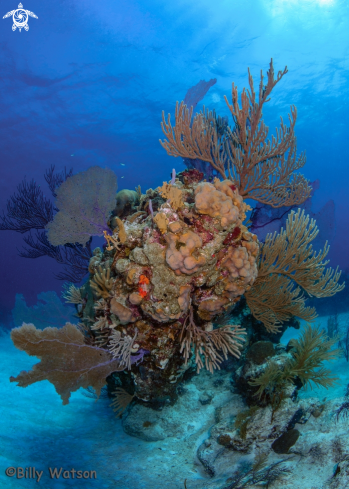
(137, 358)
(198, 92)
(85, 202)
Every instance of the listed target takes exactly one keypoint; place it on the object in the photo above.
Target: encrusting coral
(183, 258)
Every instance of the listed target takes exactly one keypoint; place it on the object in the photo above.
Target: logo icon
(20, 18)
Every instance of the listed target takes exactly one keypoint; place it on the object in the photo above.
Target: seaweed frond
(242, 419)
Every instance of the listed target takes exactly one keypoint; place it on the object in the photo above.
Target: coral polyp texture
(190, 255)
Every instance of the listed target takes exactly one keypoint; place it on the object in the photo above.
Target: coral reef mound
(185, 252)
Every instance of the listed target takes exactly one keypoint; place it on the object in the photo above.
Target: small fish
(122, 164)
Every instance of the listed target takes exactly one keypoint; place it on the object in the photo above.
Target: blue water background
(87, 83)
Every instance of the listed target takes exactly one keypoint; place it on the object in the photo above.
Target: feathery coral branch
(226, 339)
(74, 257)
(121, 401)
(54, 179)
(193, 139)
(308, 352)
(291, 254)
(72, 294)
(288, 259)
(276, 300)
(27, 209)
(121, 348)
(102, 283)
(263, 169)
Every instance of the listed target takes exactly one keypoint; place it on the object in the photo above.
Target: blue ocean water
(86, 85)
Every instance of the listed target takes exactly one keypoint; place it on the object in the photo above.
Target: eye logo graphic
(20, 18)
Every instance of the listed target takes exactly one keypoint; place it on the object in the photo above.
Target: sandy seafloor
(38, 431)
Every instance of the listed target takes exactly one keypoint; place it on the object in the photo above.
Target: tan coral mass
(122, 312)
(179, 252)
(215, 203)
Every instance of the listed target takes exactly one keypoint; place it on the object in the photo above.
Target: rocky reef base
(218, 437)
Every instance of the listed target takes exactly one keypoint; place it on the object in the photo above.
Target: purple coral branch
(173, 179)
(151, 209)
(138, 358)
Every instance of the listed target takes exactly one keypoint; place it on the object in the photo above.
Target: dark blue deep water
(86, 86)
